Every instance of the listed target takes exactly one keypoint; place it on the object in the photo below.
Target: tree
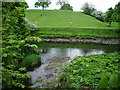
(98, 15)
(62, 2)
(108, 16)
(42, 4)
(88, 9)
(66, 7)
(116, 13)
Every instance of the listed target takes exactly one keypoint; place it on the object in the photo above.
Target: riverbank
(53, 55)
(112, 41)
(79, 35)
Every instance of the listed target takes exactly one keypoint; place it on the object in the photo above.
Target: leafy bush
(109, 81)
(12, 78)
(33, 39)
(16, 37)
(31, 60)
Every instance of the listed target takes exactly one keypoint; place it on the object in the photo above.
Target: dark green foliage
(95, 71)
(113, 14)
(0, 76)
(16, 44)
(66, 7)
(42, 4)
(108, 17)
(113, 80)
(103, 83)
(17, 41)
(12, 79)
(88, 9)
(109, 81)
(14, 31)
(30, 61)
(116, 14)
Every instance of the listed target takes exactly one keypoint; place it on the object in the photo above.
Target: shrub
(30, 61)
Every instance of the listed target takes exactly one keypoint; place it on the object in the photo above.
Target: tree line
(111, 15)
(45, 3)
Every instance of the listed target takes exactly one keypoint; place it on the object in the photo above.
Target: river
(55, 54)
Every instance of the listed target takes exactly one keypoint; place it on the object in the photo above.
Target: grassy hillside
(56, 24)
(62, 19)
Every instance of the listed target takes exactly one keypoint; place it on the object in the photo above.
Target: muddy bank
(57, 61)
(74, 40)
(47, 72)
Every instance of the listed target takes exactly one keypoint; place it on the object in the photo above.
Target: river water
(55, 54)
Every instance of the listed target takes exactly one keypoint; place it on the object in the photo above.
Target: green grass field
(63, 19)
(76, 33)
(57, 23)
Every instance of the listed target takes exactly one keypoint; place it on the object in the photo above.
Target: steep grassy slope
(61, 18)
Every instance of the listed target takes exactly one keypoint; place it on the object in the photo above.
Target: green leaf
(22, 69)
(114, 81)
(56, 84)
(23, 86)
(103, 82)
(48, 81)
(21, 42)
(38, 80)
(5, 55)
(30, 60)
(31, 86)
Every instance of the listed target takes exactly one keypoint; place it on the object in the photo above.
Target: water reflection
(70, 52)
(49, 54)
(56, 52)
(92, 52)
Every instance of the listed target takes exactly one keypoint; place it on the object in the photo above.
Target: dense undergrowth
(17, 44)
(94, 71)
